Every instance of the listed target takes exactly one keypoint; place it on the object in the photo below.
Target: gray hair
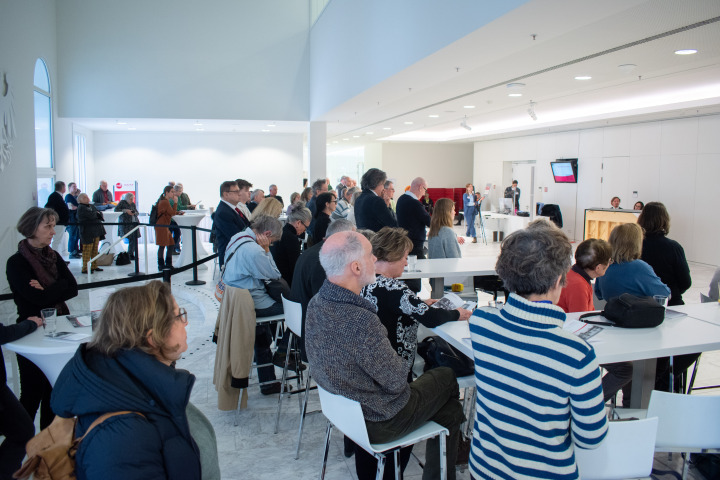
(339, 225)
(177, 187)
(335, 260)
(388, 183)
(355, 196)
(372, 178)
(351, 191)
(531, 260)
(299, 212)
(32, 218)
(367, 233)
(266, 223)
(127, 196)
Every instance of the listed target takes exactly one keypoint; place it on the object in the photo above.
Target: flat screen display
(565, 171)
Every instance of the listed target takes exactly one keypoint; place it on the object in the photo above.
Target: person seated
(102, 199)
(287, 251)
(325, 206)
(269, 206)
(129, 367)
(592, 259)
(248, 264)
(529, 370)
(346, 340)
(442, 241)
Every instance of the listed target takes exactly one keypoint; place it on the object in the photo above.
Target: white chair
(467, 384)
(346, 415)
(293, 320)
(626, 452)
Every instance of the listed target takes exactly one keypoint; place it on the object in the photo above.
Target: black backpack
(153, 215)
(438, 353)
(123, 258)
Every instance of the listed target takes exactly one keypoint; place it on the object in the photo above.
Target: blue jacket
(635, 277)
(128, 446)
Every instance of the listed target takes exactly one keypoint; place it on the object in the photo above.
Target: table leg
(643, 382)
(438, 287)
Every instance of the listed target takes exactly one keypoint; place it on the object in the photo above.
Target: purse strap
(594, 314)
(222, 274)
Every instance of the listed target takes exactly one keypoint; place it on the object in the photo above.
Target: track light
(531, 110)
(464, 124)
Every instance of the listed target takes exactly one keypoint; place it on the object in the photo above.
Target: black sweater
(57, 203)
(286, 252)
(413, 217)
(667, 259)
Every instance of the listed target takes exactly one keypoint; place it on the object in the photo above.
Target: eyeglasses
(306, 225)
(233, 191)
(182, 316)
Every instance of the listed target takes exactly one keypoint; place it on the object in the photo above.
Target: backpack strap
(101, 419)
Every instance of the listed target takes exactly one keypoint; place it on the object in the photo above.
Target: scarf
(43, 261)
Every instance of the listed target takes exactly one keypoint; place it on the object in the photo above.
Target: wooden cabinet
(600, 222)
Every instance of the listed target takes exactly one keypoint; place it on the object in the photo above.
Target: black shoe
(75, 255)
(273, 388)
(176, 252)
(348, 447)
(96, 270)
(279, 361)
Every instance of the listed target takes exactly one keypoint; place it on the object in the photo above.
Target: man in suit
(273, 193)
(371, 211)
(413, 217)
(228, 218)
(56, 201)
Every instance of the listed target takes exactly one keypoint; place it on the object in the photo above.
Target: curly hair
(372, 178)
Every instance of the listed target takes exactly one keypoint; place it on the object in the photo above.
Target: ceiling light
(583, 77)
(408, 123)
(433, 116)
(531, 110)
(132, 128)
(197, 123)
(627, 67)
(356, 136)
(368, 133)
(387, 128)
(514, 94)
(687, 51)
(464, 124)
(264, 130)
(199, 129)
(120, 122)
(271, 125)
(469, 106)
(346, 139)
(335, 141)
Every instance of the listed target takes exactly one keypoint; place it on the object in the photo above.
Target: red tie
(238, 210)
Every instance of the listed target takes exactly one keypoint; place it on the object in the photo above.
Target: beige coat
(235, 331)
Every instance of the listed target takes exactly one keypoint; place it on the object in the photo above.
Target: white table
(707, 312)
(48, 354)
(506, 223)
(111, 231)
(436, 269)
(641, 346)
(191, 219)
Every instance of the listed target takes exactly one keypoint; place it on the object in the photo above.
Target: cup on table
(412, 262)
(661, 299)
(49, 316)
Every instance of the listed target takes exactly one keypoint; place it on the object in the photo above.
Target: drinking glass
(49, 316)
(661, 299)
(412, 263)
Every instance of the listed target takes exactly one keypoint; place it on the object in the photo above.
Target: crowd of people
(340, 254)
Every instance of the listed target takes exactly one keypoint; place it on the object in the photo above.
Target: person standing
(72, 228)
(228, 218)
(371, 212)
(272, 192)
(91, 231)
(57, 203)
(128, 220)
(470, 204)
(514, 192)
(387, 195)
(412, 216)
(163, 236)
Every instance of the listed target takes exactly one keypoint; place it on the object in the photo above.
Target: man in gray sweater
(351, 356)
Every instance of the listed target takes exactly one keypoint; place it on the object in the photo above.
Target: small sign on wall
(121, 188)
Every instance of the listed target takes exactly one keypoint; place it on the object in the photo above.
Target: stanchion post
(195, 280)
(137, 259)
(167, 274)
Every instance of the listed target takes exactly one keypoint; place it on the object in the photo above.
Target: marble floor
(251, 450)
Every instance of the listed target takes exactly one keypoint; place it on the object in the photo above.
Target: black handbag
(277, 289)
(629, 311)
(438, 353)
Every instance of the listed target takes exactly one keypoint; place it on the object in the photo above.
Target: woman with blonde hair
(129, 366)
(442, 241)
(306, 195)
(627, 273)
(270, 207)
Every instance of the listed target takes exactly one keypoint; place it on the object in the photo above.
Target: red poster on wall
(121, 188)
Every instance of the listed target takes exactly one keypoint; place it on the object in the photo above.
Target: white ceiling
(543, 44)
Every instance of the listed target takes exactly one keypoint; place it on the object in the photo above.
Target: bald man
(345, 339)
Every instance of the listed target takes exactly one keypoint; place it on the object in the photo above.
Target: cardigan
(667, 259)
(444, 244)
(538, 393)
(351, 355)
(635, 277)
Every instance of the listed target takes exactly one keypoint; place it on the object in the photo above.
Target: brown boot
(474, 240)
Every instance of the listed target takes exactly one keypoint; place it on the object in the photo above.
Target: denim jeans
(470, 222)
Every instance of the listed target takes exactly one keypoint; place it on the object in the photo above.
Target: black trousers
(165, 257)
(176, 234)
(35, 391)
(17, 427)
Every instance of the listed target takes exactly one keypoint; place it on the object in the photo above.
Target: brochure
(451, 301)
(80, 321)
(582, 329)
(70, 337)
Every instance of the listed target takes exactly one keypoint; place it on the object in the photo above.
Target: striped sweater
(539, 393)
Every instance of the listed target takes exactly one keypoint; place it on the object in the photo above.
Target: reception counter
(599, 222)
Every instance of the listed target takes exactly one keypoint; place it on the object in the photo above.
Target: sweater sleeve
(14, 332)
(589, 422)
(413, 306)
(379, 361)
(682, 270)
(651, 282)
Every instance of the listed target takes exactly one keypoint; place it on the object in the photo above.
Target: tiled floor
(251, 450)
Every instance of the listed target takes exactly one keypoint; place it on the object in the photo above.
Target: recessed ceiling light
(346, 139)
(627, 67)
(514, 94)
(264, 130)
(120, 122)
(271, 125)
(434, 116)
(368, 133)
(335, 141)
(469, 106)
(387, 128)
(356, 136)
(515, 85)
(132, 128)
(686, 51)
(583, 77)
(197, 124)
(408, 123)
(199, 129)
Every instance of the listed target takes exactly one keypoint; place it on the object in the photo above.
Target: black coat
(286, 252)
(90, 222)
(413, 217)
(308, 277)
(57, 203)
(372, 213)
(667, 259)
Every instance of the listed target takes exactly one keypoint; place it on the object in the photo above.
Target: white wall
(27, 32)
(441, 165)
(184, 59)
(201, 162)
(676, 162)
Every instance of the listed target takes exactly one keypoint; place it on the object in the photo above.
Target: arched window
(43, 132)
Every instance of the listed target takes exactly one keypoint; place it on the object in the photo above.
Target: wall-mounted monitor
(565, 170)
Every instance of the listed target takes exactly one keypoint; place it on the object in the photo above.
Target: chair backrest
(293, 316)
(346, 415)
(626, 452)
(686, 421)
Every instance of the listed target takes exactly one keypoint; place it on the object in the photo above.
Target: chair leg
(443, 458)
(327, 450)
(303, 412)
(692, 377)
(686, 465)
(282, 384)
(380, 466)
(396, 455)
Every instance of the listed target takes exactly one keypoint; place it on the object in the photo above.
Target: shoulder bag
(629, 311)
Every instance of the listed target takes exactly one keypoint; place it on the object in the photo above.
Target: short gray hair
(531, 260)
(298, 211)
(32, 218)
(177, 187)
(339, 225)
(266, 223)
(127, 196)
(335, 260)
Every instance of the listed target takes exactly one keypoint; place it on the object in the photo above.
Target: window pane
(41, 75)
(43, 142)
(45, 186)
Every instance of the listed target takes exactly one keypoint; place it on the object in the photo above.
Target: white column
(317, 151)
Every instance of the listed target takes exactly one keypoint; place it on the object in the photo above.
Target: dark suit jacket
(372, 213)
(226, 223)
(57, 203)
(413, 217)
(307, 279)
(276, 197)
(99, 197)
